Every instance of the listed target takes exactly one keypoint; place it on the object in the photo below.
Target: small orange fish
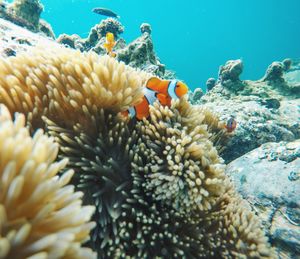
(230, 125)
(156, 89)
(110, 44)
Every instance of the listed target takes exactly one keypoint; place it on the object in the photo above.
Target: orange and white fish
(109, 44)
(167, 89)
(230, 124)
(156, 89)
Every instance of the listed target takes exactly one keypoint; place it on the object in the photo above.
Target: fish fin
(163, 99)
(153, 83)
(118, 17)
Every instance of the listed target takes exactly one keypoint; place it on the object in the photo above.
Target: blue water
(195, 37)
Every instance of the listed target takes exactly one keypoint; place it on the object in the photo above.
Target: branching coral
(158, 185)
(40, 215)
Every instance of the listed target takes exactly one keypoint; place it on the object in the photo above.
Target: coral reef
(46, 29)
(139, 53)
(287, 63)
(269, 178)
(210, 83)
(158, 185)
(14, 39)
(29, 10)
(145, 28)
(40, 215)
(196, 95)
(265, 110)
(26, 13)
(274, 73)
(108, 25)
(229, 75)
(71, 41)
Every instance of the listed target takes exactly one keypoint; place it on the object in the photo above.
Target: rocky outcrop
(269, 178)
(265, 110)
(15, 39)
(139, 53)
(26, 13)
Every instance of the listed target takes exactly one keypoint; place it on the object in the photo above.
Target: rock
(274, 73)
(264, 111)
(15, 39)
(26, 13)
(46, 28)
(268, 177)
(195, 96)
(256, 123)
(29, 10)
(229, 74)
(271, 103)
(210, 83)
(108, 25)
(287, 63)
(68, 40)
(145, 27)
(140, 54)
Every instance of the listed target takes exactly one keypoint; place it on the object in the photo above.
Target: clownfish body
(110, 44)
(162, 90)
(230, 125)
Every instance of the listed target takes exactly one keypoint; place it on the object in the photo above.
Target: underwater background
(194, 37)
(104, 154)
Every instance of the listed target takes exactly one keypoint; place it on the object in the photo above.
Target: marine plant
(158, 185)
(40, 214)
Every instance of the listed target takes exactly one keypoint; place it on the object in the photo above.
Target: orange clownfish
(230, 125)
(162, 90)
(110, 44)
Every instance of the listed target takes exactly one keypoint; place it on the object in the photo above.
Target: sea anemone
(158, 185)
(40, 215)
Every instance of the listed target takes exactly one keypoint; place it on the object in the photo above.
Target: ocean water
(195, 37)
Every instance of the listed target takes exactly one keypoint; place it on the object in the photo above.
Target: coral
(140, 53)
(108, 25)
(55, 82)
(267, 178)
(210, 83)
(274, 73)
(287, 63)
(145, 27)
(158, 185)
(46, 28)
(40, 215)
(195, 96)
(68, 40)
(29, 10)
(229, 74)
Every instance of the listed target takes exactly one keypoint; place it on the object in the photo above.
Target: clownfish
(162, 90)
(230, 125)
(110, 44)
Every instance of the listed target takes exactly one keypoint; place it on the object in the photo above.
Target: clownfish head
(177, 89)
(181, 89)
